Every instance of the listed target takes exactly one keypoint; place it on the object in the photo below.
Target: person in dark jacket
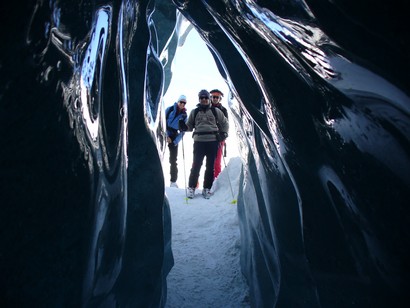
(203, 123)
(216, 97)
(173, 115)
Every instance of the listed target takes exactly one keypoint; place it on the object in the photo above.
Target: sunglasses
(203, 97)
(218, 97)
(182, 102)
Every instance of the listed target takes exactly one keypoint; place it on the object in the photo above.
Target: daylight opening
(205, 232)
(193, 69)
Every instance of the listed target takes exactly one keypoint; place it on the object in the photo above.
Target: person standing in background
(173, 115)
(203, 121)
(216, 97)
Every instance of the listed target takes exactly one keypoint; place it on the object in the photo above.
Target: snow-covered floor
(205, 240)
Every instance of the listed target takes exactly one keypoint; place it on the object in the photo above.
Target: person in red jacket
(216, 97)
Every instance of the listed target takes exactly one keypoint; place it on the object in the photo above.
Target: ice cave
(322, 114)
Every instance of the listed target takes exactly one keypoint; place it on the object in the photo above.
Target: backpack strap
(216, 117)
(196, 110)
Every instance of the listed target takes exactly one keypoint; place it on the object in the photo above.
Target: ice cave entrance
(193, 68)
(205, 233)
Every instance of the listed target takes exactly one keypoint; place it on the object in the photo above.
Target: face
(216, 97)
(181, 104)
(204, 99)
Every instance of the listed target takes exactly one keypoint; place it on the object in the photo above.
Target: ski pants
(173, 155)
(218, 159)
(201, 150)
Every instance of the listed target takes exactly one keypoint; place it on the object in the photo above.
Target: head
(216, 96)
(181, 101)
(203, 97)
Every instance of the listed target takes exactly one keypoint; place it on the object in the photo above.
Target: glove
(182, 126)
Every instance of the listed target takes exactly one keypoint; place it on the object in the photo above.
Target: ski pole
(229, 180)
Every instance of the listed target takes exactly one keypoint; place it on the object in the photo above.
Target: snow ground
(205, 239)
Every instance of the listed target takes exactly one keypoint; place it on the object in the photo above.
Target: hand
(182, 126)
(223, 136)
(169, 140)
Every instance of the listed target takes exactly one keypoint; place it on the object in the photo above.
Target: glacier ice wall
(84, 220)
(320, 93)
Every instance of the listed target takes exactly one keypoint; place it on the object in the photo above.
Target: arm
(225, 111)
(223, 121)
(178, 138)
(168, 111)
(189, 124)
(182, 117)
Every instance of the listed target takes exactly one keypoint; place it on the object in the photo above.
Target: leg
(199, 154)
(218, 159)
(212, 148)
(173, 155)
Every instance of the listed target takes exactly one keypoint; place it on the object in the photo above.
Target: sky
(193, 69)
(205, 232)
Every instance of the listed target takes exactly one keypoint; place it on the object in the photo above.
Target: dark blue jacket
(172, 123)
